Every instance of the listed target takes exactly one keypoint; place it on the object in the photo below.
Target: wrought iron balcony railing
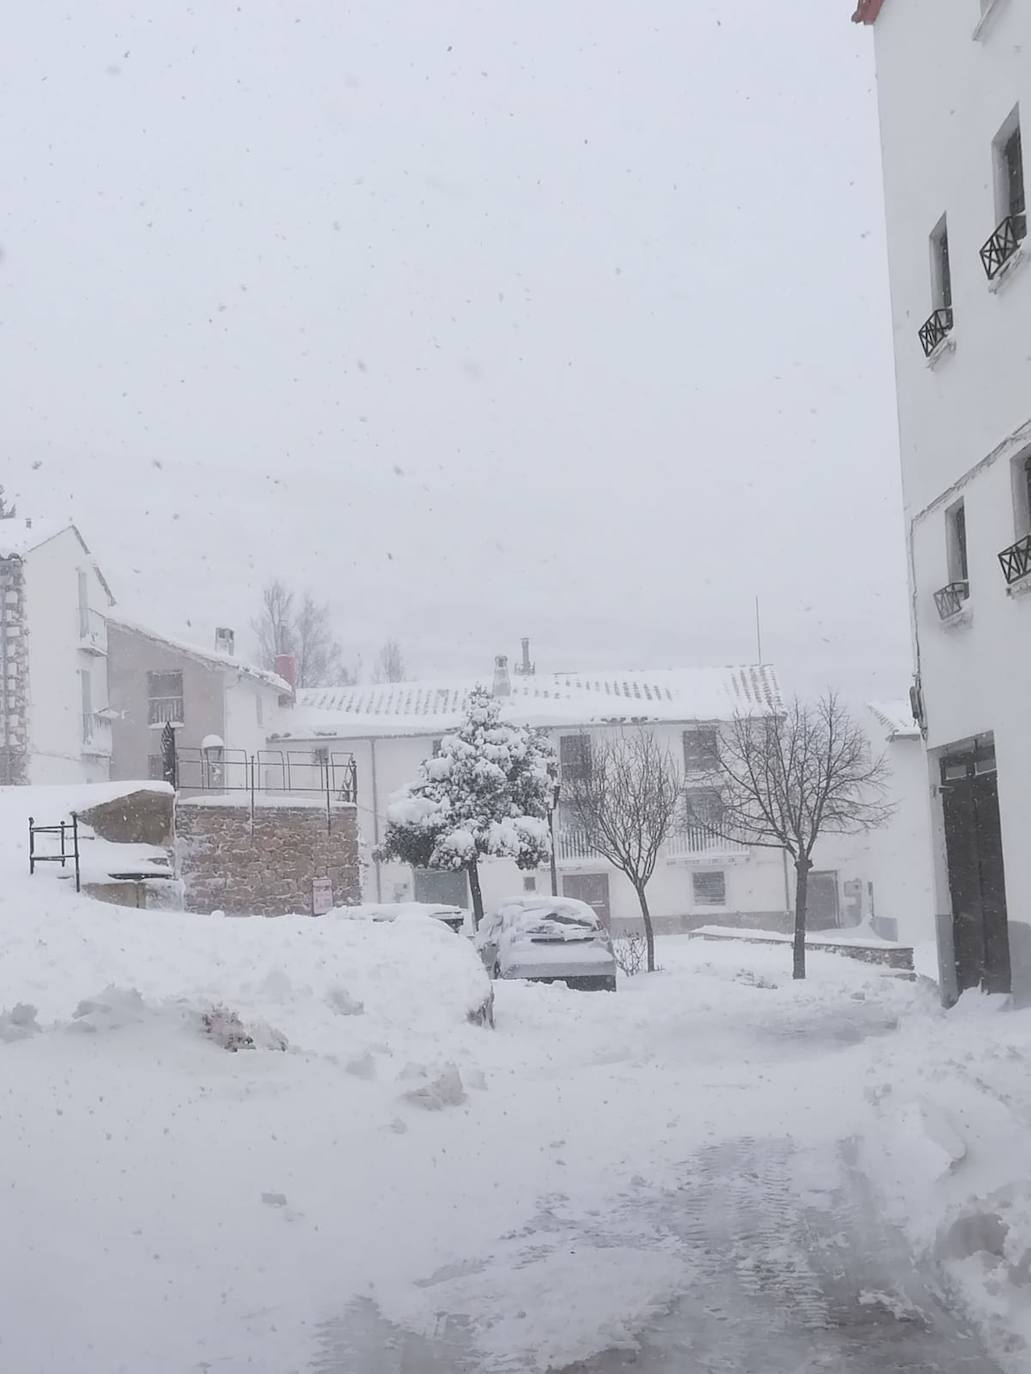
(165, 711)
(950, 599)
(1016, 560)
(1004, 242)
(935, 328)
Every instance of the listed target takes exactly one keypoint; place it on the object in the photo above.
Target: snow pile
(947, 1149)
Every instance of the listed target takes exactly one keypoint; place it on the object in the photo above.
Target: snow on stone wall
(264, 866)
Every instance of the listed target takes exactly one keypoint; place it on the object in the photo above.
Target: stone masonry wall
(265, 866)
(14, 674)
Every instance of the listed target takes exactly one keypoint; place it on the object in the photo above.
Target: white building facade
(700, 878)
(55, 724)
(954, 81)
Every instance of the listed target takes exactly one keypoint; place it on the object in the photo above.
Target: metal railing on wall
(265, 774)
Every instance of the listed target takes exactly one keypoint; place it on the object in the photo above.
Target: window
(941, 272)
(1009, 175)
(165, 698)
(529, 883)
(155, 768)
(436, 748)
(701, 750)
(83, 605)
(259, 709)
(956, 542)
(86, 693)
(710, 889)
(703, 807)
(574, 753)
(1022, 495)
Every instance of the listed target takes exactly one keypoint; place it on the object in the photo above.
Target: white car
(548, 940)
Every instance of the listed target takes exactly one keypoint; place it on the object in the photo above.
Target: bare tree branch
(784, 780)
(627, 800)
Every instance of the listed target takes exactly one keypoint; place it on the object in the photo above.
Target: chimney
(526, 668)
(502, 682)
(286, 668)
(225, 640)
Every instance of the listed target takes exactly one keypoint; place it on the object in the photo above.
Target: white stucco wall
(251, 711)
(944, 95)
(57, 751)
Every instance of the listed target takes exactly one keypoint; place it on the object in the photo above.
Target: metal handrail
(935, 328)
(1016, 560)
(1002, 244)
(949, 599)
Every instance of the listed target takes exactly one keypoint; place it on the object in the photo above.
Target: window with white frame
(86, 695)
(574, 754)
(710, 889)
(701, 749)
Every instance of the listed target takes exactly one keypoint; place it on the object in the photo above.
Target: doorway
(592, 888)
(977, 877)
(822, 910)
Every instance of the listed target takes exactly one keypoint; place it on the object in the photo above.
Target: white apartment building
(700, 879)
(55, 720)
(954, 87)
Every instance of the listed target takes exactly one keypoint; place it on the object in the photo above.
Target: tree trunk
(802, 867)
(474, 887)
(649, 934)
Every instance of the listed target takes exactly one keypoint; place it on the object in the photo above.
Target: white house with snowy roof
(701, 878)
(54, 718)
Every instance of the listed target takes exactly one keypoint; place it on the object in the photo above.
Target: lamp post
(555, 789)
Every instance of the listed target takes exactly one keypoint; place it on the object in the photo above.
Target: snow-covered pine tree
(485, 795)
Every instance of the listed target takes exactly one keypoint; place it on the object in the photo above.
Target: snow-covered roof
(18, 538)
(209, 657)
(571, 699)
(896, 717)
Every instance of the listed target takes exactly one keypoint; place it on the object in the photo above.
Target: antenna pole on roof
(758, 634)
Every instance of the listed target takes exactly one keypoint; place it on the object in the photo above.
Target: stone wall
(14, 674)
(231, 862)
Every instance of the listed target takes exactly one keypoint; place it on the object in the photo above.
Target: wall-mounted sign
(321, 896)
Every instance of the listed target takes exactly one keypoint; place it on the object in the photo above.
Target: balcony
(698, 841)
(573, 844)
(1002, 245)
(92, 631)
(165, 711)
(96, 735)
(1016, 560)
(951, 598)
(935, 329)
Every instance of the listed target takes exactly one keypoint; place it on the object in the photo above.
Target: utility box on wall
(288, 855)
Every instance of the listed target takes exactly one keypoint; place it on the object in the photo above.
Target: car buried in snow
(548, 940)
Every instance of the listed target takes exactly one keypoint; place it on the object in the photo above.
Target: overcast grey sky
(562, 319)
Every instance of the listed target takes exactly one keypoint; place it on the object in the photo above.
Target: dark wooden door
(977, 882)
(592, 888)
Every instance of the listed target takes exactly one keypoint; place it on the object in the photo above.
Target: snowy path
(791, 1272)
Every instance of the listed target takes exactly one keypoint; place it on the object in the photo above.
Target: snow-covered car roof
(526, 910)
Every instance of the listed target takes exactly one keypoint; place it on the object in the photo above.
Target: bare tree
(390, 664)
(7, 511)
(303, 629)
(785, 780)
(626, 799)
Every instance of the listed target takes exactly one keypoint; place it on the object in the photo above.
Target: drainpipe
(375, 819)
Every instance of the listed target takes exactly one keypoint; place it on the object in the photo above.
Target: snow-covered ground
(401, 1189)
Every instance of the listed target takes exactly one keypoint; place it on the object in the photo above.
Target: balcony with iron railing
(1016, 560)
(935, 329)
(997, 251)
(693, 841)
(951, 599)
(165, 711)
(96, 735)
(92, 631)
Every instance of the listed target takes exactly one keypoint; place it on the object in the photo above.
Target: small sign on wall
(321, 896)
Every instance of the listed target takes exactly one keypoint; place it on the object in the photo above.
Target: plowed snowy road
(791, 1272)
